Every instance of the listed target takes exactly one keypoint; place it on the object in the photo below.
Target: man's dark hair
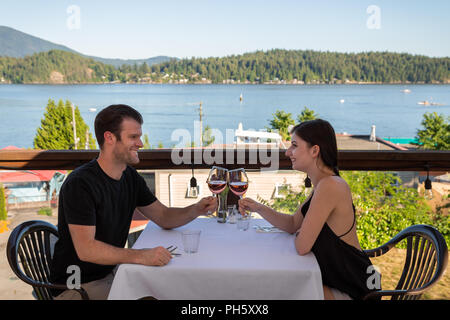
(110, 119)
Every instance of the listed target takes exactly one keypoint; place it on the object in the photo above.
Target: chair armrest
(383, 293)
(84, 295)
(390, 293)
(380, 250)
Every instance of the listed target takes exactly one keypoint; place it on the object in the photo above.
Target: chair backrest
(426, 260)
(29, 251)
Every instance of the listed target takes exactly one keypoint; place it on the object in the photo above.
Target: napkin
(267, 229)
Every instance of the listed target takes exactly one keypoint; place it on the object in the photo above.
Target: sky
(137, 29)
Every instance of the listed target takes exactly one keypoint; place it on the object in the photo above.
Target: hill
(57, 67)
(298, 66)
(17, 44)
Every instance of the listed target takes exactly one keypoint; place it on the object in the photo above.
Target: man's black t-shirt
(90, 197)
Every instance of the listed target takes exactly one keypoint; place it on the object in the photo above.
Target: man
(96, 206)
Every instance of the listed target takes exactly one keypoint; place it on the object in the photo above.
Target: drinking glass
(191, 240)
(238, 182)
(243, 222)
(232, 214)
(217, 181)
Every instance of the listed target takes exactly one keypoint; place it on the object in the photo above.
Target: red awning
(26, 175)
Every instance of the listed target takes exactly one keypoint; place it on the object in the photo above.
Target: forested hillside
(312, 66)
(274, 66)
(55, 66)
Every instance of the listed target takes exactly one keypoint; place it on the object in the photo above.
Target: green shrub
(45, 211)
(3, 212)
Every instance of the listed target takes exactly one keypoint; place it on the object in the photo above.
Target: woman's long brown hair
(320, 132)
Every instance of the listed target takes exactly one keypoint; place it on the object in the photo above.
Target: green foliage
(56, 130)
(290, 201)
(280, 122)
(147, 145)
(3, 212)
(146, 142)
(255, 67)
(383, 207)
(308, 66)
(45, 211)
(207, 137)
(306, 115)
(435, 134)
(38, 68)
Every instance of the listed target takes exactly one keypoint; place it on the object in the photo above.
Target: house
(31, 188)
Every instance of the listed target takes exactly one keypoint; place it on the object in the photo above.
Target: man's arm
(169, 218)
(91, 250)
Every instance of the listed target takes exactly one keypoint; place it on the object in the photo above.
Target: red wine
(239, 188)
(217, 186)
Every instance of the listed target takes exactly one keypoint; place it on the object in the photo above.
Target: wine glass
(238, 182)
(217, 181)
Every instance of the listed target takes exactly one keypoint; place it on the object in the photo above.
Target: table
(229, 265)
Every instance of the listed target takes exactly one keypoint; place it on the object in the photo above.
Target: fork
(172, 249)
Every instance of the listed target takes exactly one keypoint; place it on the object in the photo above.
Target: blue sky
(141, 29)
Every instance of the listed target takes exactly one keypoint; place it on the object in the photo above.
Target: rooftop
(362, 142)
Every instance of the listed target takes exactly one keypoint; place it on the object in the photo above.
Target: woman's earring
(307, 182)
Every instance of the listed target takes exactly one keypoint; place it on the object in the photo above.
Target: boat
(428, 103)
(406, 91)
(92, 109)
(342, 101)
(241, 97)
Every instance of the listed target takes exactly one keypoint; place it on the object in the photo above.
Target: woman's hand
(248, 204)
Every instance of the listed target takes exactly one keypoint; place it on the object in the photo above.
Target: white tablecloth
(230, 264)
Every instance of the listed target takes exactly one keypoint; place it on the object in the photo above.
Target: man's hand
(207, 204)
(158, 256)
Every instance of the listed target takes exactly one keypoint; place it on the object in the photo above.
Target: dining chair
(29, 251)
(425, 263)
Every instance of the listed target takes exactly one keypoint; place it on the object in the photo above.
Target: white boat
(342, 101)
(92, 109)
(428, 103)
(406, 91)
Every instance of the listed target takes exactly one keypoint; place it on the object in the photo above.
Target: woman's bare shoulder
(333, 185)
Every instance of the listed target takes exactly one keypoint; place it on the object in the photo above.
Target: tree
(56, 130)
(307, 115)
(146, 142)
(435, 133)
(3, 213)
(144, 69)
(207, 138)
(281, 122)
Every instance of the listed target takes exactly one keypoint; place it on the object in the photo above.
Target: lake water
(166, 108)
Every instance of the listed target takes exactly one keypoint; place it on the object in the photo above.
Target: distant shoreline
(234, 83)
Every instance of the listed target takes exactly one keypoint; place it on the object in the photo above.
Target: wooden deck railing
(231, 158)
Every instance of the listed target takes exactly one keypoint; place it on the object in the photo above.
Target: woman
(325, 223)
